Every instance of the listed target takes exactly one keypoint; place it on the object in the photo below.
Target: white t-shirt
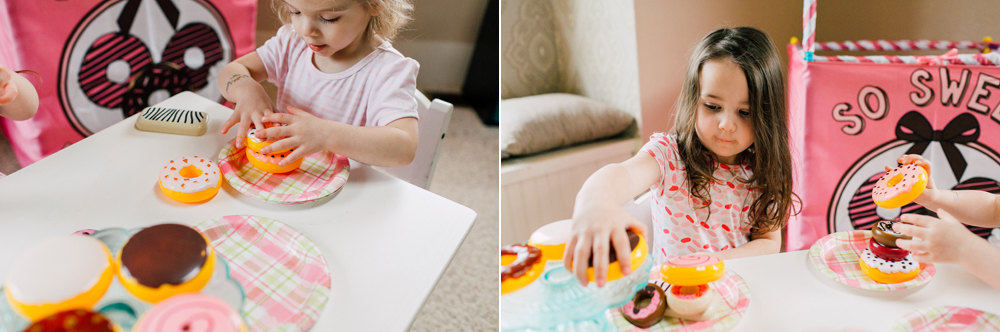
(374, 92)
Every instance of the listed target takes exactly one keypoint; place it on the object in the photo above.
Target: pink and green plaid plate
(735, 302)
(321, 174)
(284, 276)
(947, 319)
(838, 255)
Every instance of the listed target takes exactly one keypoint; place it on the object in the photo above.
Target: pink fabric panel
(103, 61)
(841, 141)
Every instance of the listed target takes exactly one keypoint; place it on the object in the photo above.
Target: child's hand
(302, 131)
(595, 231)
(940, 240)
(8, 92)
(250, 109)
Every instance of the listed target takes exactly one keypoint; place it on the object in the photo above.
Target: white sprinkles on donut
(202, 174)
(904, 266)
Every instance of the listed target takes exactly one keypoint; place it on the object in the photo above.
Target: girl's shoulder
(665, 142)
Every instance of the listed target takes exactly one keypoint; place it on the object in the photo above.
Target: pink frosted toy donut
(646, 308)
(191, 313)
(900, 186)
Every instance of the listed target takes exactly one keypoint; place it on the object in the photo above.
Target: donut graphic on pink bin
(951, 149)
(129, 54)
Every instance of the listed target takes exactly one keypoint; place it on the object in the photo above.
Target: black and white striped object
(172, 121)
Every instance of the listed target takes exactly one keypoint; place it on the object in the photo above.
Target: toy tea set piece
(900, 186)
(79, 279)
(690, 295)
(883, 261)
(268, 162)
(172, 121)
(557, 302)
(190, 179)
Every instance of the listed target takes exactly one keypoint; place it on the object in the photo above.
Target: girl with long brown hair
(721, 179)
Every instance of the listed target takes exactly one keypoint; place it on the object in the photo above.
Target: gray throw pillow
(549, 121)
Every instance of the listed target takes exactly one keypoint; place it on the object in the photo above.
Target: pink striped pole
(809, 28)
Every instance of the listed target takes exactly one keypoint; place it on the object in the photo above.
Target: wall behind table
(667, 31)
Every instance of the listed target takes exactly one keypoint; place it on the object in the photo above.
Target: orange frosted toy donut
(268, 162)
(190, 179)
(900, 186)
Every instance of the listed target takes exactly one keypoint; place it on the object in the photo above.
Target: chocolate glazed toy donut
(646, 308)
(883, 261)
(519, 265)
(164, 260)
(639, 252)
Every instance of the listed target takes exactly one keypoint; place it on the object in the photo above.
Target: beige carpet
(468, 172)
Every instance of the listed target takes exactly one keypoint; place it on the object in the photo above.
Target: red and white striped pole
(809, 28)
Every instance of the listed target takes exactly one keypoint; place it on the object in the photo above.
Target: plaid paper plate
(321, 174)
(947, 319)
(735, 301)
(838, 255)
(283, 274)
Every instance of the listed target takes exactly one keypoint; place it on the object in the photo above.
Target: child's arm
(600, 220)
(18, 98)
(973, 207)
(764, 244)
(392, 145)
(239, 83)
(946, 240)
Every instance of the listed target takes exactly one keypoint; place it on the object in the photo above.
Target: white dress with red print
(679, 228)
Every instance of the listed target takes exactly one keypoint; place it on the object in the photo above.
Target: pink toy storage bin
(101, 61)
(852, 115)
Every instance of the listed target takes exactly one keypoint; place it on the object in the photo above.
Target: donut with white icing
(552, 238)
(647, 306)
(268, 162)
(900, 186)
(190, 179)
(191, 313)
(60, 273)
(888, 272)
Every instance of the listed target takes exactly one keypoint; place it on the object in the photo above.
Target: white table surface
(385, 241)
(788, 294)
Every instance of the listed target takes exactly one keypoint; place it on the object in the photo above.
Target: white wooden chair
(434, 118)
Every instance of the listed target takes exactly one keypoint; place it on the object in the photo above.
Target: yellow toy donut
(892, 277)
(164, 260)
(900, 186)
(61, 273)
(690, 295)
(519, 266)
(551, 239)
(639, 253)
(190, 179)
(268, 162)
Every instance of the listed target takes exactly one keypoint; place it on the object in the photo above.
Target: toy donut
(519, 266)
(164, 260)
(78, 320)
(552, 238)
(691, 295)
(900, 186)
(61, 273)
(189, 313)
(190, 179)
(268, 162)
(646, 308)
(888, 264)
(883, 233)
(639, 253)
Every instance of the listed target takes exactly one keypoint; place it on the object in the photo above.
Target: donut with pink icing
(899, 186)
(647, 306)
(191, 313)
